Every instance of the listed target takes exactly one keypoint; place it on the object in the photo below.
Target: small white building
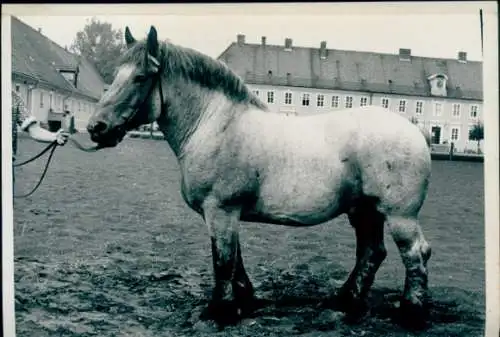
(56, 85)
(443, 95)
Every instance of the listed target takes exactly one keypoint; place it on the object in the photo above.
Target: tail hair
(426, 135)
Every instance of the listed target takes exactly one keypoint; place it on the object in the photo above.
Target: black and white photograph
(266, 169)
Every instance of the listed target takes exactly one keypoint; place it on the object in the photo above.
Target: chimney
(322, 50)
(462, 57)
(404, 54)
(40, 30)
(241, 39)
(288, 44)
(263, 39)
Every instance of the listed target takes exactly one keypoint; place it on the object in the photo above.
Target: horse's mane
(196, 67)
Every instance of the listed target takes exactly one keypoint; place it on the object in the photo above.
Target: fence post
(452, 148)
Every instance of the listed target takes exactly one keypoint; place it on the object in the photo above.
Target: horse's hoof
(354, 308)
(225, 312)
(413, 316)
(356, 311)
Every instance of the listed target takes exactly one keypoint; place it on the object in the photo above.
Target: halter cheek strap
(155, 68)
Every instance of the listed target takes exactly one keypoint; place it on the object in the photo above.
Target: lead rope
(86, 149)
(52, 147)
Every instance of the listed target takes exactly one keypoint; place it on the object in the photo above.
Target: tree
(101, 44)
(477, 133)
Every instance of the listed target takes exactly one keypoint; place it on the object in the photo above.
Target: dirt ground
(107, 247)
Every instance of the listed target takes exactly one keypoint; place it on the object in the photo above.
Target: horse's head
(134, 97)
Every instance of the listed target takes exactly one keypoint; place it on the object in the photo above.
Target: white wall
(41, 102)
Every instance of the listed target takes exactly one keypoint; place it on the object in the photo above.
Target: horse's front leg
(232, 295)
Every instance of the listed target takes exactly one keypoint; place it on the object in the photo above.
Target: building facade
(59, 88)
(442, 95)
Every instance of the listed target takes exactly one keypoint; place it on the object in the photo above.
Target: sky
(432, 30)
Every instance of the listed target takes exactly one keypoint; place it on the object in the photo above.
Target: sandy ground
(107, 247)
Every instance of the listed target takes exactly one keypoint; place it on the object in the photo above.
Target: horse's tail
(426, 135)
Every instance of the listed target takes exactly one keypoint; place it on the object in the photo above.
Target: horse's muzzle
(102, 134)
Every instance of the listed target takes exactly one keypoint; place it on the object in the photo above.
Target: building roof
(351, 70)
(37, 57)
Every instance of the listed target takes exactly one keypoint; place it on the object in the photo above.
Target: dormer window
(404, 54)
(69, 76)
(438, 83)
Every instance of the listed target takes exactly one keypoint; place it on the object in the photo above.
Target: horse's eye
(139, 79)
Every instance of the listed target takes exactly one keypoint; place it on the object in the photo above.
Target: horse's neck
(195, 120)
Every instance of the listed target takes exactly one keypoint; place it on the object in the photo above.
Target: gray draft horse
(241, 162)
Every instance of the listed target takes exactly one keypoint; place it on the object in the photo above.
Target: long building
(444, 96)
(57, 85)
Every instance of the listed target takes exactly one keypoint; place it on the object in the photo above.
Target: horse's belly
(298, 203)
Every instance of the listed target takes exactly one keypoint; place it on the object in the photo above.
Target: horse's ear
(129, 39)
(153, 42)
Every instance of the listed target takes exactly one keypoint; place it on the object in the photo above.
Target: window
(270, 97)
(50, 101)
(18, 88)
(402, 105)
(79, 106)
(438, 109)
(335, 101)
(41, 99)
(305, 99)
(288, 98)
(454, 134)
(419, 107)
(348, 102)
(473, 111)
(320, 100)
(363, 101)
(384, 102)
(455, 112)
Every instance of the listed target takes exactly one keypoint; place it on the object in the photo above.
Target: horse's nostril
(99, 127)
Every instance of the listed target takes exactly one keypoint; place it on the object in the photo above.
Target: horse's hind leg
(370, 253)
(415, 252)
(233, 292)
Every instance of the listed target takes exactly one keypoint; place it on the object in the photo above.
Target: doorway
(436, 135)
